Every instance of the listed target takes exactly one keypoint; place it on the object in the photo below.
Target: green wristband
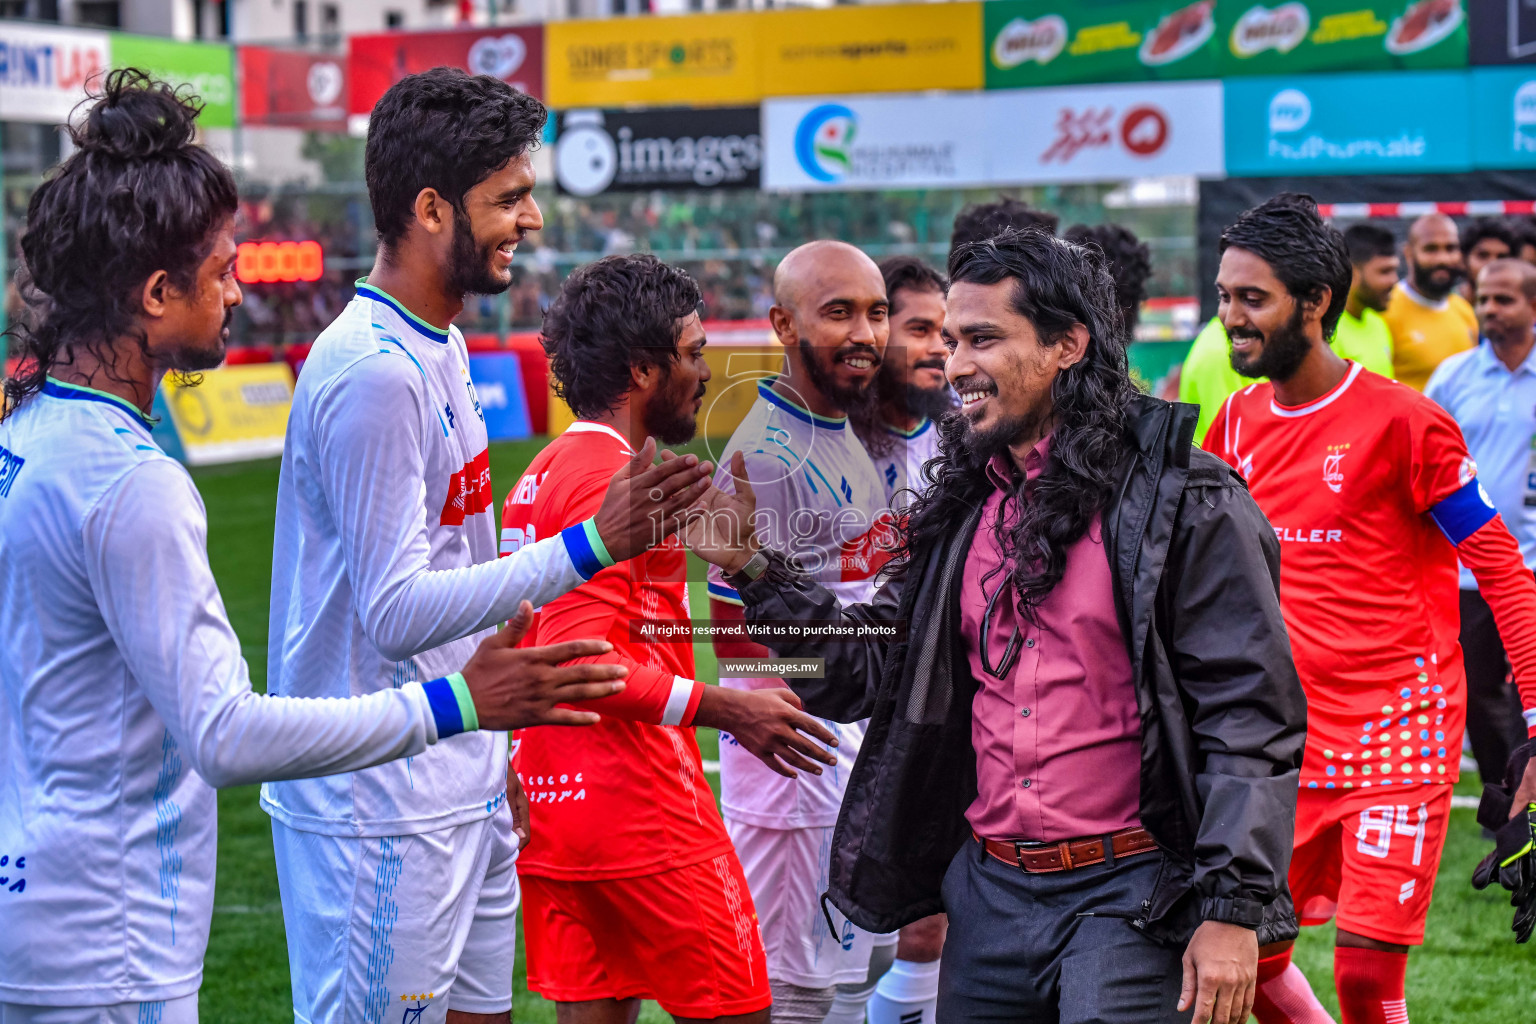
(466, 702)
(596, 540)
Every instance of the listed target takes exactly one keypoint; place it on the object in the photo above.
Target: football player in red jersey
(1373, 496)
(632, 889)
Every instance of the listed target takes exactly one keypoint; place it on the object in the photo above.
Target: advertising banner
(293, 88)
(691, 60)
(498, 380)
(1341, 35)
(1106, 132)
(1503, 31)
(678, 147)
(1020, 136)
(1048, 42)
(209, 68)
(1349, 124)
(870, 49)
(374, 63)
(863, 142)
(44, 70)
(236, 413)
(1504, 117)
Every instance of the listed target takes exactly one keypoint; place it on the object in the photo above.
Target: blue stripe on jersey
(445, 707)
(422, 328)
(63, 389)
(580, 548)
(765, 389)
(824, 480)
(1464, 512)
(395, 342)
(721, 592)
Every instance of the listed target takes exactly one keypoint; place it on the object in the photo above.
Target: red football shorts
(1369, 857)
(687, 938)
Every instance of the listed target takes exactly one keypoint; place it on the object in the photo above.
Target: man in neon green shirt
(1207, 377)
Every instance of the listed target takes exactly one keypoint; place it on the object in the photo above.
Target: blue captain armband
(452, 708)
(586, 548)
(1463, 512)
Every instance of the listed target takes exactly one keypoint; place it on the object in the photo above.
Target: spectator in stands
(1130, 264)
(1428, 319)
(1482, 241)
(981, 221)
(1491, 391)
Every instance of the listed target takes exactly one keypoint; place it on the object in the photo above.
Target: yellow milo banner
(237, 412)
(694, 60)
(884, 48)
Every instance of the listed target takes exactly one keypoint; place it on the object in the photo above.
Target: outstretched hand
(513, 688)
(719, 524)
(645, 502)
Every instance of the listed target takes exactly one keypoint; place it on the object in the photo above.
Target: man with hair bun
(633, 890)
(1374, 497)
(124, 699)
(398, 882)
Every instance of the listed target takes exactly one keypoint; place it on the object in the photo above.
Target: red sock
(1283, 995)
(1370, 984)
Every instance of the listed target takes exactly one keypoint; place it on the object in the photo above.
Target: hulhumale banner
(1048, 42)
(1349, 124)
(685, 147)
(1084, 133)
(1504, 117)
(1340, 35)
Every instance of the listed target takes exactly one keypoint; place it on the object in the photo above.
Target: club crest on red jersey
(1333, 467)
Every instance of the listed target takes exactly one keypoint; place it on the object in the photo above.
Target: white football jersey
(123, 700)
(384, 566)
(901, 470)
(819, 499)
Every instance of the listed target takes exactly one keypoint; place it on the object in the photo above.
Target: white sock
(849, 1002)
(908, 994)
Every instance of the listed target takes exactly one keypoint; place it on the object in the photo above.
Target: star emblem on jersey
(413, 1014)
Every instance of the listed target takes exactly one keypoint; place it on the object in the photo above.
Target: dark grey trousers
(1022, 948)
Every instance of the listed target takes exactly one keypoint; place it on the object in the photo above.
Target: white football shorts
(400, 929)
(168, 1011)
(786, 871)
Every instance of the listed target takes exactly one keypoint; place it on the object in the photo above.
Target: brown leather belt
(1042, 858)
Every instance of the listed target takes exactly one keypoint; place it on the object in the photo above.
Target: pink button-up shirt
(1058, 735)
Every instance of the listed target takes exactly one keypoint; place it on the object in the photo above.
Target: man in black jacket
(1084, 743)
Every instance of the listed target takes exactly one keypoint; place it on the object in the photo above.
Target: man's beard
(1425, 284)
(670, 418)
(469, 267)
(179, 360)
(914, 399)
(850, 399)
(982, 445)
(1282, 352)
(1370, 299)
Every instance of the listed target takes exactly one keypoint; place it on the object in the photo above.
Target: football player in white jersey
(911, 392)
(901, 434)
(124, 698)
(398, 882)
(821, 499)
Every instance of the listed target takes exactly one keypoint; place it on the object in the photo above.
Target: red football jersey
(628, 796)
(1368, 489)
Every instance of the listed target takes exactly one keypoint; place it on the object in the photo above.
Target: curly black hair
(444, 129)
(1305, 252)
(136, 196)
(1056, 285)
(610, 315)
(981, 221)
(912, 273)
(1489, 227)
(1129, 261)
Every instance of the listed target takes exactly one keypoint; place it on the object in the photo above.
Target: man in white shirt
(124, 698)
(399, 881)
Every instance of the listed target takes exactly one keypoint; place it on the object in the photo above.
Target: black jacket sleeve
(1231, 657)
(782, 597)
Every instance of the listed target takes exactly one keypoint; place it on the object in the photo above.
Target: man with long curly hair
(1085, 748)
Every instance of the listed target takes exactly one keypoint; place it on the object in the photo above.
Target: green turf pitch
(1469, 971)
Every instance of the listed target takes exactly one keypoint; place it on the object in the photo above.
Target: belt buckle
(1063, 847)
